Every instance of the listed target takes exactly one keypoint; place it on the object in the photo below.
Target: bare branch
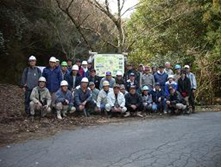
(131, 8)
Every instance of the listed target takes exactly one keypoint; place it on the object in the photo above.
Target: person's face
(147, 70)
(64, 68)
(93, 73)
(161, 69)
(167, 65)
(78, 63)
(41, 84)
(84, 85)
(64, 88)
(69, 63)
(187, 70)
(170, 79)
(154, 69)
(89, 65)
(52, 64)
(132, 78)
(74, 72)
(108, 77)
(145, 92)
(183, 75)
(172, 91)
(91, 87)
(119, 76)
(132, 91)
(129, 67)
(57, 63)
(122, 90)
(178, 71)
(106, 88)
(32, 63)
(140, 68)
(157, 87)
(116, 90)
(84, 65)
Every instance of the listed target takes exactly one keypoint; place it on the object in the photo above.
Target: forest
(179, 31)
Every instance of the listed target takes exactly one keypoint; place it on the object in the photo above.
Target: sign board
(108, 62)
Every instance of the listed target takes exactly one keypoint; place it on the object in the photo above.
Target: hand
(194, 91)
(159, 100)
(81, 107)
(67, 101)
(84, 103)
(23, 89)
(168, 102)
(133, 107)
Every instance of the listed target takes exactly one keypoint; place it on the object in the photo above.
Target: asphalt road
(193, 140)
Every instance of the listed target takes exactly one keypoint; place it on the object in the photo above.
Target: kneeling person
(148, 104)
(40, 98)
(116, 101)
(64, 100)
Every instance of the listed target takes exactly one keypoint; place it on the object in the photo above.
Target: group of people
(69, 88)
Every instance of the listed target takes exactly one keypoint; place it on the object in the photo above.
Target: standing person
(132, 82)
(40, 99)
(140, 74)
(161, 77)
(148, 78)
(116, 101)
(147, 99)
(83, 97)
(90, 66)
(129, 70)
(184, 87)
(78, 62)
(94, 78)
(154, 70)
(64, 101)
(64, 69)
(30, 77)
(168, 69)
(58, 63)
(170, 82)
(108, 78)
(193, 83)
(83, 71)
(73, 78)
(177, 72)
(158, 97)
(102, 97)
(53, 77)
(69, 62)
(134, 103)
(119, 78)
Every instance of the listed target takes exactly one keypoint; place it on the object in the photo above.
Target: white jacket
(120, 99)
(102, 97)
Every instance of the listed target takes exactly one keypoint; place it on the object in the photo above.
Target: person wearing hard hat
(69, 63)
(78, 62)
(148, 104)
(159, 98)
(175, 102)
(168, 69)
(73, 78)
(64, 100)
(94, 78)
(64, 69)
(102, 97)
(83, 97)
(57, 63)
(83, 71)
(148, 78)
(177, 72)
(161, 77)
(53, 77)
(108, 78)
(115, 101)
(193, 83)
(132, 82)
(184, 87)
(134, 103)
(123, 89)
(40, 99)
(129, 70)
(30, 77)
(119, 78)
(95, 93)
(170, 82)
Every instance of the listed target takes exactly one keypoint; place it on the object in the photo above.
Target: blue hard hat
(177, 66)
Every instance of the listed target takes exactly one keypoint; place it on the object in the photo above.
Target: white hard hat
(85, 80)
(105, 83)
(171, 76)
(64, 83)
(84, 63)
(119, 73)
(32, 58)
(75, 67)
(42, 79)
(57, 60)
(187, 66)
(145, 88)
(52, 59)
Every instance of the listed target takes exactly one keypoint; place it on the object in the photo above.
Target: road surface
(193, 140)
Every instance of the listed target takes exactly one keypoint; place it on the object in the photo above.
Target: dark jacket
(83, 73)
(69, 79)
(128, 84)
(175, 98)
(96, 80)
(120, 82)
(184, 86)
(161, 78)
(134, 99)
(80, 96)
(62, 96)
(156, 94)
(53, 78)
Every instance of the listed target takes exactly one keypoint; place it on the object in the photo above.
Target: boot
(59, 115)
(127, 114)
(139, 114)
(64, 113)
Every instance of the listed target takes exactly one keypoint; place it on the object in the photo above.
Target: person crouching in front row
(64, 100)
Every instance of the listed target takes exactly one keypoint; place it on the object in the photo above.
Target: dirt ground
(16, 127)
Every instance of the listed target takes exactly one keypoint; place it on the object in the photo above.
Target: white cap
(187, 66)
(32, 58)
(85, 80)
(57, 60)
(171, 76)
(52, 59)
(119, 73)
(84, 63)
(64, 83)
(75, 67)
(167, 63)
(105, 83)
(42, 79)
